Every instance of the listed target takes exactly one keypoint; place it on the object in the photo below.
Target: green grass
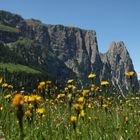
(119, 121)
(8, 28)
(18, 68)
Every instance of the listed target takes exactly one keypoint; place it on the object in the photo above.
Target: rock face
(69, 51)
(116, 62)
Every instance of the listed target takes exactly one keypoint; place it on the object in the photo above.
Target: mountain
(65, 52)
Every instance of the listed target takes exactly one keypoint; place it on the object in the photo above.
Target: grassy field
(8, 28)
(53, 113)
(18, 68)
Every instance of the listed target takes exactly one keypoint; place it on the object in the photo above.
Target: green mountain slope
(18, 68)
(8, 28)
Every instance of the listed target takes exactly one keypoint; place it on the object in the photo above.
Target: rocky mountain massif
(65, 52)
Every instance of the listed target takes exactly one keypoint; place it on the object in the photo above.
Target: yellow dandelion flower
(90, 106)
(41, 85)
(77, 107)
(130, 73)
(104, 83)
(71, 87)
(37, 98)
(73, 119)
(81, 99)
(60, 96)
(1, 107)
(85, 92)
(5, 85)
(26, 98)
(82, 114)
(7, 96)
(70, 81)
(91, 75)
(105, 106)
(66, 89)
(30, 106)
(28, 113)
(18, 99)
(40, 111)
(34, 98)
(48, 82)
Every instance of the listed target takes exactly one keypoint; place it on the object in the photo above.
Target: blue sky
(113, 20)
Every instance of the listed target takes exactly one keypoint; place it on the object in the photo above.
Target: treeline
(20, 80)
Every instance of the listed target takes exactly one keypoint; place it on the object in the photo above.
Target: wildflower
(7, 96)
(37, 98)
(93, 87)
(33, 98)
(5, 85)
(51, 102)
(104, 83)
(28, 114)
(30, 106)
(70, 81)
(18, 102)
(40, 111)
(130, 73)
(26, 98)
(60, 96)
(91, 75)
(81, 99)
(18, 99)
(90, 106)
(66, 89)
(49, 82)
(85, 92)
(77, 107)
(41, 85)
(82, 114)
(1, 107)
(73, 120)
(71, 87)
(105, 106)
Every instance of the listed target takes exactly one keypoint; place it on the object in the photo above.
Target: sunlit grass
(18, 68)
(8, 28)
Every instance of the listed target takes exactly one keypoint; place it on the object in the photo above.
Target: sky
(113, 20)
